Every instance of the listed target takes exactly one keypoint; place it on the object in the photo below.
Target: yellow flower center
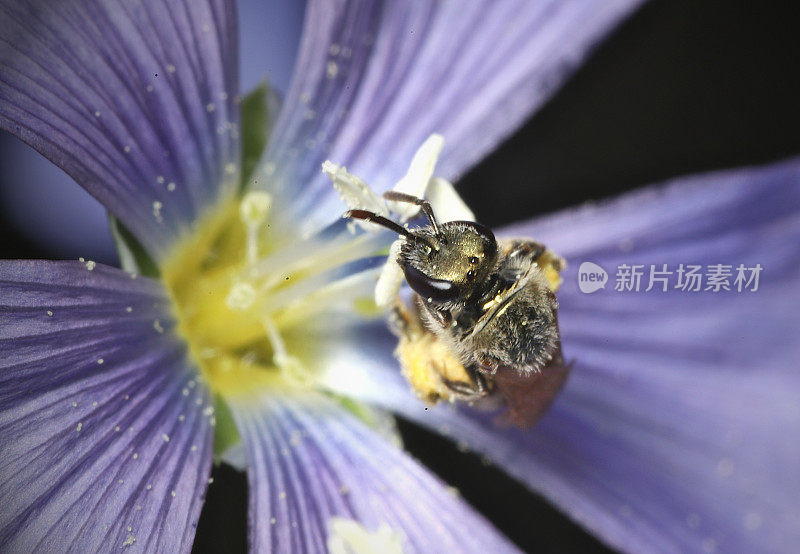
(258, 303)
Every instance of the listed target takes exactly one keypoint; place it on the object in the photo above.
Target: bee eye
(473, 260)
(471, 274)
(438, 290)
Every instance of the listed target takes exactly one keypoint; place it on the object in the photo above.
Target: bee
(482, 326)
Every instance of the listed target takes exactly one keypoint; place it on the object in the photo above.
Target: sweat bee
(482, 326)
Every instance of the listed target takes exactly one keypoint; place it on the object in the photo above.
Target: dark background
(682, 87)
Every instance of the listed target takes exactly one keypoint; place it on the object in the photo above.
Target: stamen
(253, 211)
(292, 369)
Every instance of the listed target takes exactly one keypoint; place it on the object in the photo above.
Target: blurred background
(682, 87)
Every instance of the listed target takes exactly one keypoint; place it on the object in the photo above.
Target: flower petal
(135, 102)
(312, 463)
(105, 437)
(374, 79)
(675, 429)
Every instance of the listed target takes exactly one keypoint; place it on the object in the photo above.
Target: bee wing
(527, 397)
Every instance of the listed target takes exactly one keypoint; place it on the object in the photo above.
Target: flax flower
(242, 322)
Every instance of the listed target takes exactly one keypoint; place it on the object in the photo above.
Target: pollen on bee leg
(348, 536)
(253, 211)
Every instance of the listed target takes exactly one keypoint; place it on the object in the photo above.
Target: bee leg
(401, 321)
(468, 391)
(487, 363)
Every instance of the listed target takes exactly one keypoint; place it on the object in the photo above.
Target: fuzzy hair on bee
(485, 319)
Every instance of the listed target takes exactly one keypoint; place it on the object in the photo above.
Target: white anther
(446, 203)
(241, 296)
(420, 171)
(348, 536)
(391, 278)
(253, 211)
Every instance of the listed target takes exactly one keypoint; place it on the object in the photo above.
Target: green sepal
(255, 112)
(226, 435)
(133, 257)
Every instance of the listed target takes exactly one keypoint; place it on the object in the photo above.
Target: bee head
(443, 263)
(448, 263)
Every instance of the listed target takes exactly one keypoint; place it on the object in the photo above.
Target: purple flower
(256, 335)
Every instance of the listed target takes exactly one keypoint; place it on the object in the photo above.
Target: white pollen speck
(171, 187)
(97, 113)
(309, 114)
(135, 456)
(223, 96)
(149, 88)
(334, 49)
(127, 149)
(157, 326)
(165, 437)
(116, 428)
(210, 107)
(50, 313)
(157, 210)
(172, 493)
(149, 487)
(74, 404)
(79, 427)
(129, 540)
(212, 422)
(332, 70)
(193, 448)
(138, 506)
(304, 98)
(129, 309)
(208, 410)
(198, 401)
(130, 529)
(282, 496)
(206, 27)
(160, 179)
(81, 259)
(347, 52)
(170, 68)
(121, 481)
(128, 397)
(185, 391)
(230, 168)
(191, 383)
(272, 521)
(181, 417)
(100, 361)
(210, 480)
(90, 265)
(94, 404)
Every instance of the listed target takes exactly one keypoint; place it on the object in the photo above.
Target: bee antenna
(426, 207)
(372, 217)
